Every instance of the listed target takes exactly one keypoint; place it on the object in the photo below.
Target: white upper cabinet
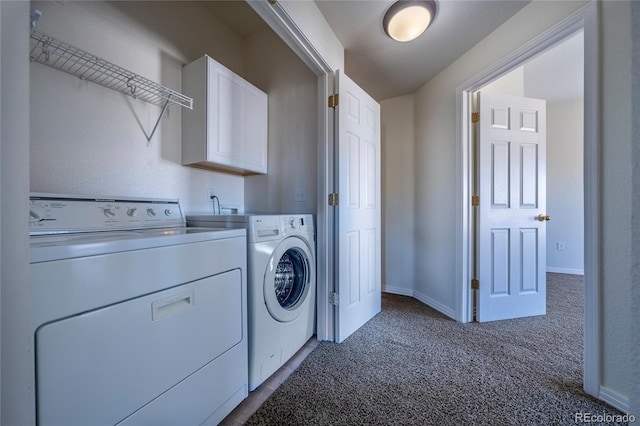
(228, 126)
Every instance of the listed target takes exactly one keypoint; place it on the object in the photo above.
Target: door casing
(280, 20)
(584, 19)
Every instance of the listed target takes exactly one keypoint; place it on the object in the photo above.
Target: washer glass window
(291, 278)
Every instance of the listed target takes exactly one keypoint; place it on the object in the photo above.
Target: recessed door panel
(500, 117)
(353, 105)
(353, 171)
(500, 252)
(529, 260)
(371, 238)
(353, 249)
(528, 175)
(371, 192)
(500, 174)
(529, 120)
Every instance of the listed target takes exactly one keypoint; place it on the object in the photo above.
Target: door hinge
(475, 117)
(333, 199)
(334, 298)
(333, 100)
(475, 200)
(475, 284)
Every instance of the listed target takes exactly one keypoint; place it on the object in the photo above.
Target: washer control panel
(278, 227)
(295, 224)
(52, 213)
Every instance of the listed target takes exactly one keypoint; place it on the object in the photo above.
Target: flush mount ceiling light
(405, 20)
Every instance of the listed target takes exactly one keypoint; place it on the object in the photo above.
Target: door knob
(542, 217)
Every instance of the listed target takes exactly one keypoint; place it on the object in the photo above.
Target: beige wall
(293, 128)
(565, 192)
(511, 83)
(398, 255)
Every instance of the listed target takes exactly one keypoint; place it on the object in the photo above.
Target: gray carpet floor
(411, 365)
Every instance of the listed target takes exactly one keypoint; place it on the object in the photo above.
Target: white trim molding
(565, 271)
(440, 307)
(615, 399)
(434, 304)
(585, 19)
(401, 291)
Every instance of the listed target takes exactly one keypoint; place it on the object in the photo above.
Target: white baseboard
(613, 398)
(403, 291)
(565, 271)
(446, 310)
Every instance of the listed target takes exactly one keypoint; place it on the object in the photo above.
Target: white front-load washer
(281, 285)
(282, 290)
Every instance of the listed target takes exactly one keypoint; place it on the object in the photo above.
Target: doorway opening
(554, 77)
(584, 20)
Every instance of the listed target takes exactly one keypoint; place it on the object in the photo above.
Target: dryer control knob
(151, 212)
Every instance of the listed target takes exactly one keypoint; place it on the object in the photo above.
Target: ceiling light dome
(405, 20)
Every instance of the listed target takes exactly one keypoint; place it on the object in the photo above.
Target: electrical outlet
(300, 194)
(560, 246)
(210, 193)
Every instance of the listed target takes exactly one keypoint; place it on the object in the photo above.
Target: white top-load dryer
(281, 285)
(136, 318)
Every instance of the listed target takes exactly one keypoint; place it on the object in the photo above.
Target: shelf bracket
(132, 88)
(164, 108)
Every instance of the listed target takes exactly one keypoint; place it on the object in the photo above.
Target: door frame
(585, 19)
(279, 18)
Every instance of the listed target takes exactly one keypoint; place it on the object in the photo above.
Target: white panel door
(359, 224)
(511, 224)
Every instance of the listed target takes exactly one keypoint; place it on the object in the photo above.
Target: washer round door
(288, 279)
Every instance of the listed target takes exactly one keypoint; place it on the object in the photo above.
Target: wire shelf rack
(64, 57)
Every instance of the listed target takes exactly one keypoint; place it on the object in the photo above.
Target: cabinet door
(255, 128)
(225, 95)
(237, 121)
(228, 126)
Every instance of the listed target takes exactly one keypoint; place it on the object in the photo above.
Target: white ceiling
(385, 68)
